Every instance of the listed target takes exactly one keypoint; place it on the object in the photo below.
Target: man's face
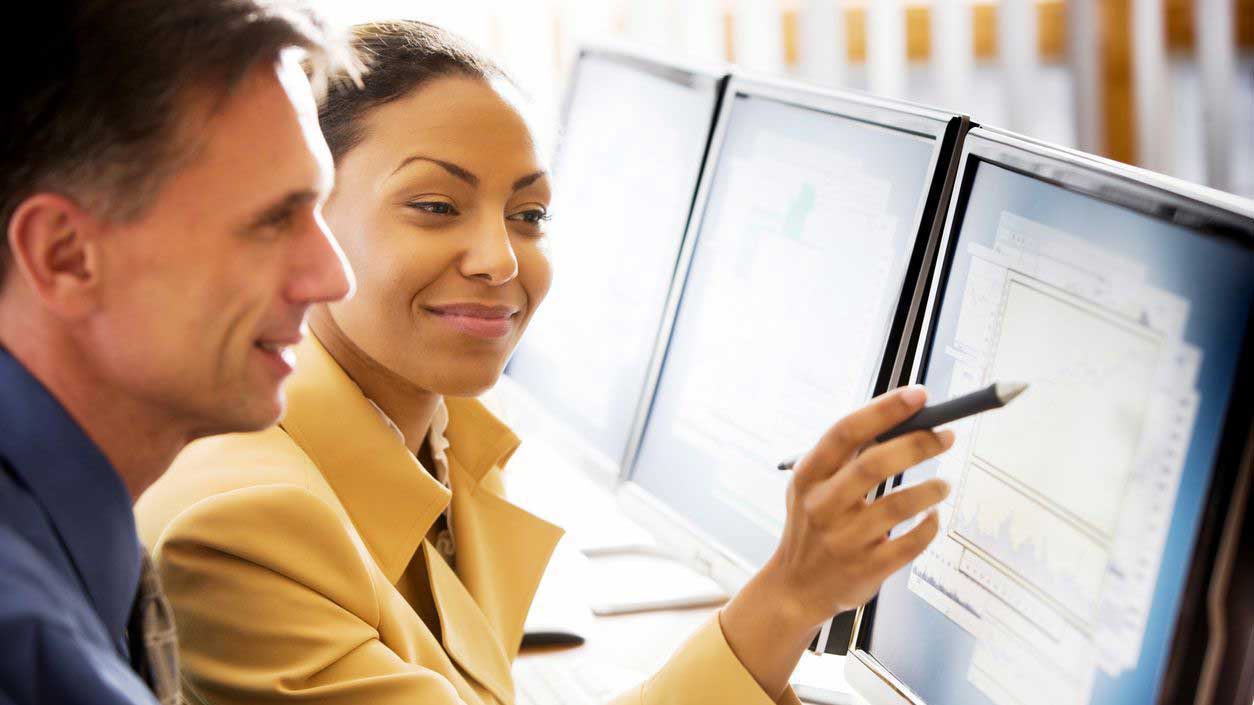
(205, 295)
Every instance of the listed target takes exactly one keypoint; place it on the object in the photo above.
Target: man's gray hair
(100, 89)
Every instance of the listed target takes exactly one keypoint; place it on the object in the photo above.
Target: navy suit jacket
(69, 557)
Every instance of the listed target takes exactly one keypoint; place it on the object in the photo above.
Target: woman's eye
(434, 207)
(535, 216)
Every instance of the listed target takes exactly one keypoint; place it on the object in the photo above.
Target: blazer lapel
(390, 498)
(467, 636)
(502, 550)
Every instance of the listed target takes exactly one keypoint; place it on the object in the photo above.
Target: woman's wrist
(777, 595)
(768, 629)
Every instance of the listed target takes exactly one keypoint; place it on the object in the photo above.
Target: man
(161, 175)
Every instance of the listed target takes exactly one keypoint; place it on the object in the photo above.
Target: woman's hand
(835, 550)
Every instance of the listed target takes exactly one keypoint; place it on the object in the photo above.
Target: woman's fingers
(892, 509)
(835, 550)
(852, 483)
(889, 556)
(842, 440)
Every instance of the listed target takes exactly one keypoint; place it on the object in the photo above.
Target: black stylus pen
(994, 396)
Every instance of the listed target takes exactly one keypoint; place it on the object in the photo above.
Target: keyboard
(546, 681)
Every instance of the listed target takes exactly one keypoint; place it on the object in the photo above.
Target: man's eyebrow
(278, 210)
(450, 167)
(528, 180)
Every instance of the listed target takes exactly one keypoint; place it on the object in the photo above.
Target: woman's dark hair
(401, 57)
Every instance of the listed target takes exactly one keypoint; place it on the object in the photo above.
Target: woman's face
(440, 210)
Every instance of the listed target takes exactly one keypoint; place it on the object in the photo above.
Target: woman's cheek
(536, 271)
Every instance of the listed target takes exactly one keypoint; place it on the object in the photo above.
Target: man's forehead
(296, 84)
(267, 129)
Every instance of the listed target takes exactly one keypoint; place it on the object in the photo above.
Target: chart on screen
(1052, 537)
(778, 231)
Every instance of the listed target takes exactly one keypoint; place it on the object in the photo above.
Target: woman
(362, 551)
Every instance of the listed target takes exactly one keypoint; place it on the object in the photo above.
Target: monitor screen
(626, 175)
(796, 273)
(1067, 537)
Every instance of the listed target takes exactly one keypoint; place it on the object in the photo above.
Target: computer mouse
(551, 637)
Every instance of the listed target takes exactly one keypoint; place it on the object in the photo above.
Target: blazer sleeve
(274, 604)
(703, 670)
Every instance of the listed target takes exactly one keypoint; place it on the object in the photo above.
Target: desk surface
(640, 642)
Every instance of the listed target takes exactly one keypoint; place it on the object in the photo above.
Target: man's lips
(476, 319)
(280, 351)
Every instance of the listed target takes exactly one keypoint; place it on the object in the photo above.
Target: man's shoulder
(26, 539)
(39, 589)
(35, 593)
(24, 520)
(55, 649)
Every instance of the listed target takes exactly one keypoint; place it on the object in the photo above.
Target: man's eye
(277, 222)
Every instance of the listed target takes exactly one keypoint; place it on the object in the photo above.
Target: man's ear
(54, 248)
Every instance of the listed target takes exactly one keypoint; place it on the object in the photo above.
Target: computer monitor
(634, 140)
(803, 267)
(1086, 524)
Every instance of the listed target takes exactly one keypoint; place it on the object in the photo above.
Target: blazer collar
(477, 439)
(391, 499)
(84, 497)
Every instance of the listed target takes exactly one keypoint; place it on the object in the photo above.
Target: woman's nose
(490, 256)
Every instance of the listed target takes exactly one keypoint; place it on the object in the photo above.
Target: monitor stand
(820, 679)
(643, 581)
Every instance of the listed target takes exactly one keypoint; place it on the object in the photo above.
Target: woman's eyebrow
(528, 180)
(450, 167)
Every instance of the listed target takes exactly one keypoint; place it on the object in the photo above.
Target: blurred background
(1164, 84)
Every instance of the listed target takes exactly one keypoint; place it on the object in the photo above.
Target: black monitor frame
(946, 130)
(1197, 651)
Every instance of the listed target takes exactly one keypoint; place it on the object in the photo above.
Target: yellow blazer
(281, 552)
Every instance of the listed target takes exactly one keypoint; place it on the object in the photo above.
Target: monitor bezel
(1209, 213)
(678, 533)
(606, 469)
(647, 59)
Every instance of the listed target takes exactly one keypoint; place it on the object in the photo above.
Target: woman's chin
(468, 382)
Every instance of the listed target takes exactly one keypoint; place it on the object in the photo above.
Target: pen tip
(1009, 390)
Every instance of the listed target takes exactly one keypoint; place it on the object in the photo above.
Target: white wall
(535, 39)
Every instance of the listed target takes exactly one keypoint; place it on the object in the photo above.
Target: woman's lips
(478, 320)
